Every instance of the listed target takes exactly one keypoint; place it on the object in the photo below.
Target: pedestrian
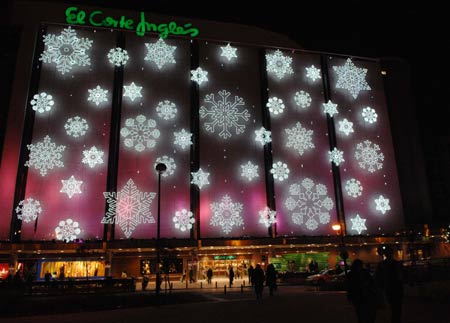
(209, 275)
(144, 282)
(251, 270)
(183, 276)
(271, 278)
(191, 275)
(231, 275)
(258, 281)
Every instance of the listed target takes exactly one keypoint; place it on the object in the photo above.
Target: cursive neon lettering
(74, 18)
(91, 18)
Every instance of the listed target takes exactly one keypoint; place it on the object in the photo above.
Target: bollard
(242, 289)
(186, 284)
(170, 288)
(224, 289)
(201, 285)
(216, 285)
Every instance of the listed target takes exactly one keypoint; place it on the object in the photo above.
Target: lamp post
(160, 168)
(343, 252)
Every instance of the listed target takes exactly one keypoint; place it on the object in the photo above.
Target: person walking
(251, 270)
(231, 275)
(258, 281)
(209, 275)
(271, 278)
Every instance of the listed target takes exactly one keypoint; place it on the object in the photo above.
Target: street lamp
(160, 168)
(343, 252)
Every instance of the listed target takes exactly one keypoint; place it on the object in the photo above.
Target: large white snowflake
(279, 64)
(132, 91)
(183, 139)
(160, 53)
(200, 178)
(199, 75)
(97, 95)
(28, 210)
(66, 50)
(228, 52)
(166, 110)
(336, 156)
(263, 136)
(369, 156)
(346, 127)
(280, 171)
(76, 127)
(351, 78)
(71, 186)
(67, 230)
(42, 102)
(224, 114)
(358, 224)
(369, 115)
(313, 73)
(92, 157)
(183, 220)
(299, 138)
(382, 204)
(226, 214)
(128, 208)
(275, 105)
(140, 133)
(309, 203)
(249, 170)
(170, 165)
(353, 187)
(330, 108)
(45, 155)
(267, 217)
(118, 56)
(302, 99)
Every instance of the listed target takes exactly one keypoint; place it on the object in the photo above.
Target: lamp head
(161, 167)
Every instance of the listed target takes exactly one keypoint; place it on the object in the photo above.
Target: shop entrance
(220, 265)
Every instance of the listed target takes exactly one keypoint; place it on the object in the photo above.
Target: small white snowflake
(132, 91)
(28, 210)
(228, 52)
(226, 214)
(200, 178)
(183, 220)
(92, 157)
(45, 155)
(97, 95)
(71, 186)
(67, 230)
(358, 224)
(267, 217)
(170, 164)
(280, 171)
(166, 110)
(351, 78)
(76, 127)
(299, 138)
(353, 188)
(183, 139)
(140, 133)
(382, 204)
(42, 102)
(313, 73)
(330, 108)
(369, 115)
(302, 99)
(160, 53)
(346, 127)
(336, 156)
(275, 105)
(279, 64)
(369, 156)
(118, 56)
(263, 136)
(199, 75)
(249, 170)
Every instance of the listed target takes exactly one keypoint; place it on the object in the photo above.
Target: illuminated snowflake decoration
(66, 50)
(275, 105)
(228, 52)
(330, 108)
(346, 127)
(279, 64)
(351, 78)
(250, 171)
(358, 224)
(199, 75)
(166, 110)
(92, 157)
(42, 102)
(67, 230)
(302, 99)
(369, 115)
(140, 133)
(71, 186)
(267, 217)
(28, 210)
(45, 155)
(118, 56)
(313, 73)
(263, 136)
(226, 214)
(183, 139)
(132, 91)
(382, 204)
(369, 156)
(97, 95)
(309, 203)
(76, 127)
(170, 164)
(128, 208)
(200, 178)
(224, 115)
(280, 171)
(160, 53)
(336, 156)
(299, 139)
(353, 188)
(183, 220)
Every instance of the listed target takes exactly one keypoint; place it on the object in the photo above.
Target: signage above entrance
(97, 18)
(224, 257)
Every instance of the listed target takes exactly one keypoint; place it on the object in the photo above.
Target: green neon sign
(97, 18)
(224, 257)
